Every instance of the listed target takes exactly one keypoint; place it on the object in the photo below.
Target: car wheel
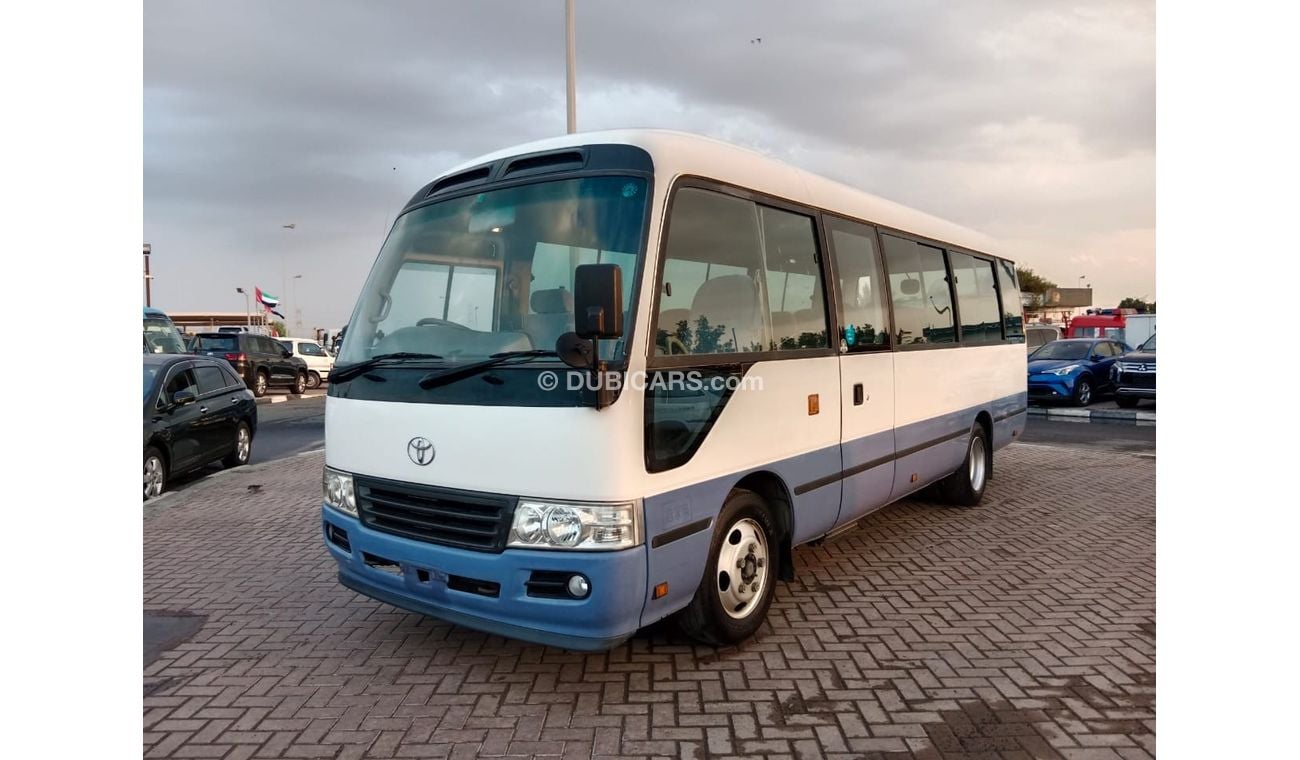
(1083, 391)
(243, 447)
(965, 487)
(739, 580)
(260, 381)
(1126, 402)
(299, 383)
(155, 473)
(313, 380)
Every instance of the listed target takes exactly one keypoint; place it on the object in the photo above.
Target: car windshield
(483, 274)
(150, 373)
(216, 343)
(1062, 349)
(1150, 345)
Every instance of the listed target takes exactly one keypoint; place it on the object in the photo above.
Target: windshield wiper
(435, 379)
(346, 373)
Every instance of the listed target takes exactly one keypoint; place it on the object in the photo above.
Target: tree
(1034, 285)
(279, 328)
(1137, 303)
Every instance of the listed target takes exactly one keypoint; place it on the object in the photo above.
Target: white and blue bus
(160, 334)
(602, 379)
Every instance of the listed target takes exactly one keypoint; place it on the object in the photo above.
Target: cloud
(1030, 121)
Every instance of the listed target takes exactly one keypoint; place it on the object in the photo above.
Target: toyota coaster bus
(605, 378)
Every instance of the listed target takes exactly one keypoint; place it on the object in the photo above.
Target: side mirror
(598, 301)
(181, 398)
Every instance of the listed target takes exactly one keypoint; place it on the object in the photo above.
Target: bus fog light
(579, 587)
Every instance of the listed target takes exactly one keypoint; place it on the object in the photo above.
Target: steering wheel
(674, 346)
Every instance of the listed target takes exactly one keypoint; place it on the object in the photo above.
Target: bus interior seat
(553, 316)
(783, 326)
(731, 301)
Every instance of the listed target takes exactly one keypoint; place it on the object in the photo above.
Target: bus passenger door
(866, 370)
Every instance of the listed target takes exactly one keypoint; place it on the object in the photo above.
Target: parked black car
(260, 360)
(196, 411)
(1134, 375)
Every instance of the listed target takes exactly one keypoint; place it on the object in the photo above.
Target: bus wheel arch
(773, 490)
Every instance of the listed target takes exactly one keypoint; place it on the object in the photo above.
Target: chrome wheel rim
(153, 477)
(978, 464)
(742, 568)
(1085, 392)
(300, 384)
(243, 444)
(313, 381)
(261, 383)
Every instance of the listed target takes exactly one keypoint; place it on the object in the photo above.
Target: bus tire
(739, 580)
(965, 487)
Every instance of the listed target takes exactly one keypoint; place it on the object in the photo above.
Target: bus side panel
(679, 524)
(768, 426)
(1009, 417)
(937, 395)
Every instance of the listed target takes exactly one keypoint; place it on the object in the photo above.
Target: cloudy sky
(1031, 121)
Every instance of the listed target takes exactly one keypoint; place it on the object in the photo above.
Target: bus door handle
(858, 395)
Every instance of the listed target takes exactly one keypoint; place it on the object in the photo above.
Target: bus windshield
(482, 274)
(162, 337)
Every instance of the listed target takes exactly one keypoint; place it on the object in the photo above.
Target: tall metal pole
(571, 67)
(147, 277)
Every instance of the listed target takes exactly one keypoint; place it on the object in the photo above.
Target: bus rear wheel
(965, 487)
(739, 580)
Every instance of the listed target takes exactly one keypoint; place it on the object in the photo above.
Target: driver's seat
(553, 316)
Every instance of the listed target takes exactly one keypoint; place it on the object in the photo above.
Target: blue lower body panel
(415, 575)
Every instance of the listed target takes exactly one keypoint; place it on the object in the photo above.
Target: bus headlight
(339, 492)
(552, 525)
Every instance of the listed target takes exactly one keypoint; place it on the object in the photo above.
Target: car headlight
(339, 492)
(1061, 371)
(555, 525)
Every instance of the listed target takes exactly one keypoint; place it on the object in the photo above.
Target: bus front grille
(464, 519)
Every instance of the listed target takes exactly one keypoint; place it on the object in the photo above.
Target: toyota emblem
(420, 450)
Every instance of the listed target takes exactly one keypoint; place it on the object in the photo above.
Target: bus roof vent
(546, 162)
(464, 178)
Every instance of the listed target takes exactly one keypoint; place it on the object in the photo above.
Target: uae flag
(268, 302)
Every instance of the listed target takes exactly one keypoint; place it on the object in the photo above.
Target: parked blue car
(1074, 369)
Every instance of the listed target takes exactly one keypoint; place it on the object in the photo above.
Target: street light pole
(147, 277)
(571, 67)
(297, 312)
(248, 308)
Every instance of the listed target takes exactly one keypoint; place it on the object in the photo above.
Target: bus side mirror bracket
(597, 315)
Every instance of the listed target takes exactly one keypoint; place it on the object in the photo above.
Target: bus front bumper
(491, 592)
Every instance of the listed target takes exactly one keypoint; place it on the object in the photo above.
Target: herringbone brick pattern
(1021, 629)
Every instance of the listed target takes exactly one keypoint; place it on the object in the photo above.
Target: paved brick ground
(1022, 629)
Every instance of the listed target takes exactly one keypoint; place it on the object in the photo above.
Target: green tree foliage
(1137, 303)
(279, 328)
(1034, 285)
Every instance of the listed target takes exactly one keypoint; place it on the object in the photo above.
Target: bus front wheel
(739, 580)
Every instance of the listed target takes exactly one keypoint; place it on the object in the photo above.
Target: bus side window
(918, 285)
(711, 257)
(862, 291)
(795, 302)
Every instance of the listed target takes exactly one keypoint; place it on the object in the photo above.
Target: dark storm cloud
(1031, 120)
